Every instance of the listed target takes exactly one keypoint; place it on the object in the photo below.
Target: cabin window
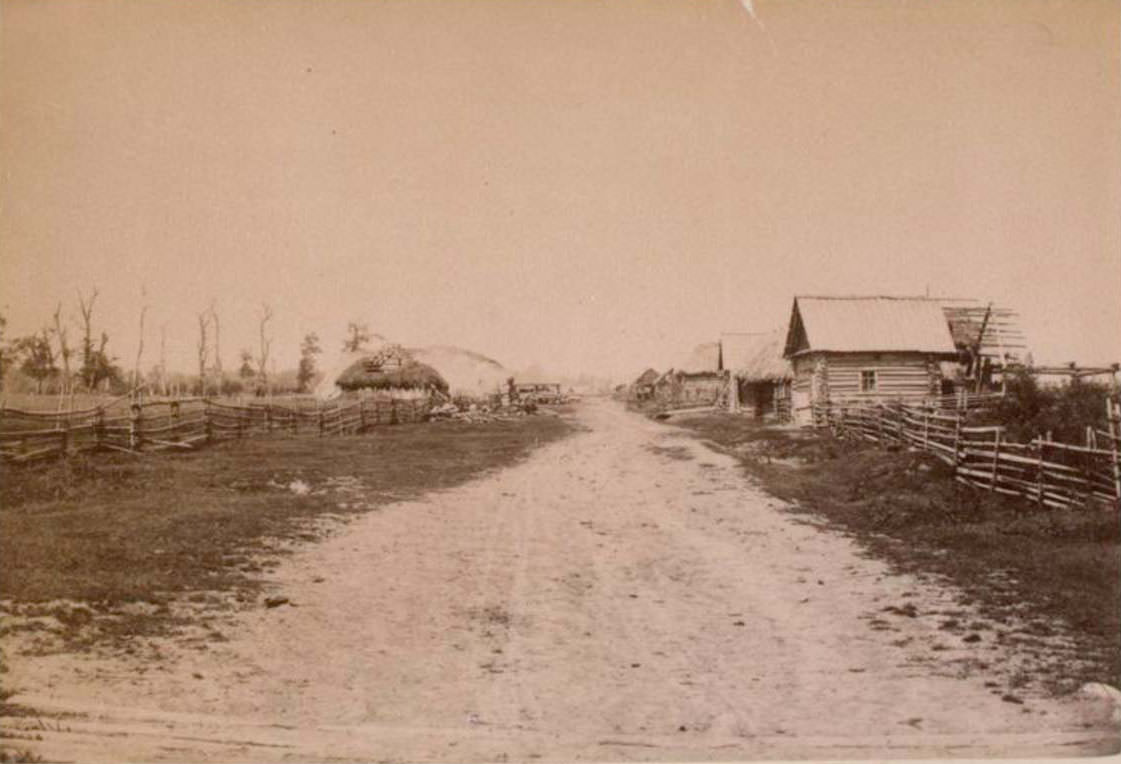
(868, 381)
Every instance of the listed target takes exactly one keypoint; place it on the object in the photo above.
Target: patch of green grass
(1003, 552)
(117, 528)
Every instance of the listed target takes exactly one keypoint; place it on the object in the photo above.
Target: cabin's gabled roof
(647, 377)
(868, 324)
(755, 356)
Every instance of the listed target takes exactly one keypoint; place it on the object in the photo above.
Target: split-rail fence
(1048, 472)
(188, 423)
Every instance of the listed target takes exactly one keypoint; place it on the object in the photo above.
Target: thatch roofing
(868, 324)
(703, 358)
(410, 375)
(756, 356)
(467, 373)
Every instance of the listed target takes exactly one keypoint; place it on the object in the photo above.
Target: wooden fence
(186, 423)
(1048, 472)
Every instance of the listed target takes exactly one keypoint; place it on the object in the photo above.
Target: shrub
(1029, 411)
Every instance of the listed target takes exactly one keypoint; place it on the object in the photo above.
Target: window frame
(875, 381)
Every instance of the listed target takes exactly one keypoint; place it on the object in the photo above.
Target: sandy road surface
(625, 593)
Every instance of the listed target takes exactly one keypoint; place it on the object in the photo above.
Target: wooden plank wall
(897, 375)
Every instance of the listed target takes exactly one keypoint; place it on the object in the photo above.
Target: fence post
(957, 442)
(362, 415)
(268, 417)
(1114, 417)
(1039, 471)
(321, 423)
(99, 427)
(174, 407)
(64, 437)
(207, 426)
(926, 429)
(393, 411)
(135, 423)
(996, 460)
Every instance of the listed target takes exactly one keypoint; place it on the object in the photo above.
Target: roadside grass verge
(126, 534)
(1050, 572)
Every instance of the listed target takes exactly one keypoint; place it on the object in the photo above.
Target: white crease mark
(749, 6)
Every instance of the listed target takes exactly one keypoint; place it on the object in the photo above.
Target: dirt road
(625, 593)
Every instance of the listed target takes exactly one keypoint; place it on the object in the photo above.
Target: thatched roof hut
(703, 359)
(756, 356)
(388, 367)
(411, 375)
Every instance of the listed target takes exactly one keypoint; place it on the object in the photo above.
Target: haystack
(468, 373)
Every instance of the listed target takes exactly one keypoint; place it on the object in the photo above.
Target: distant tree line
(49, 361)
(45, 357)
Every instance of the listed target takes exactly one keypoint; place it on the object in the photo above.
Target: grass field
(114, 529)
(1051, 569)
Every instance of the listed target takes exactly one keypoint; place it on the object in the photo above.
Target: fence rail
(27, 436)
(1050, 473)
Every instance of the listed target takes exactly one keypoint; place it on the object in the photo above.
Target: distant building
(642, 389)
(542, 392)
(760, 377)
(700, 379)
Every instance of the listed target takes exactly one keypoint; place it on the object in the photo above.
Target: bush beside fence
(1050, 473)
(27, 436)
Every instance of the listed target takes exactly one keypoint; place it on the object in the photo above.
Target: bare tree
(139, 352)
(203, 349)
(163, 359)
(64, 351)
(89, 370)
(217, 346)
(266, 344)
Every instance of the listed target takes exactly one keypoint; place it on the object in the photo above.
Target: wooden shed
(850, 349)
(701, 376)
(760, 377)
(643, 387)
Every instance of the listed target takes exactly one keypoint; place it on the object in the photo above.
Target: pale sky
(592, 186)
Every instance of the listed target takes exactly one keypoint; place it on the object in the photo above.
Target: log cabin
(865, 349)
(701, 376)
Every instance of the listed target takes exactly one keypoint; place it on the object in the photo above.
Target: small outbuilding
(540, 390)
(388, 370)
(642, 389)
(760, 377)
(865, 349)
(701, 377)
(392, 369)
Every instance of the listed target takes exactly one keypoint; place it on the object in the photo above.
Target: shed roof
(756, 356)
(868, 324)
